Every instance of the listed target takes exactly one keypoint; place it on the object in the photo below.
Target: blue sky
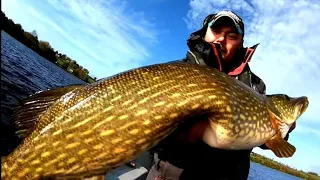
(108, 37)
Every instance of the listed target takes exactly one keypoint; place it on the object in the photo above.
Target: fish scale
(94, 128)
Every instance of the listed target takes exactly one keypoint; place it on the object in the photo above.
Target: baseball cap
(233, 16)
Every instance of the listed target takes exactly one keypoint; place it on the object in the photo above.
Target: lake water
(24, 72)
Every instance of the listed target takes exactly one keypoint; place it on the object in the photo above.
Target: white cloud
(287, 58)
(121, 39)
(308, 130)
(111, 33)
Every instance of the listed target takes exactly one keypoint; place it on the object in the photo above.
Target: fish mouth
(301, 104)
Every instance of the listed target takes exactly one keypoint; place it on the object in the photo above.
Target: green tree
(47, 51)
(34, 33)
(32, 40)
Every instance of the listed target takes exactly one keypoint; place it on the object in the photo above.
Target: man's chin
(225, 58)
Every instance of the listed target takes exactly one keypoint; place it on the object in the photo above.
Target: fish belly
(219, 136)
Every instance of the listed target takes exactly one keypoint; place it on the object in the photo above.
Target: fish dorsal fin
(279, 146)
(26, 114)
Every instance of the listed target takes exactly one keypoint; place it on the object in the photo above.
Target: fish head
(287, 110)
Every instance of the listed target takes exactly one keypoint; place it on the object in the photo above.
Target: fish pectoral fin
(25, 116)
(280, 147)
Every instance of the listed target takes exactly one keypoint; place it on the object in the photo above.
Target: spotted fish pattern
(96, 127)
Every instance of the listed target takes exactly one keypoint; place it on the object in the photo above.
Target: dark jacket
(199, 160)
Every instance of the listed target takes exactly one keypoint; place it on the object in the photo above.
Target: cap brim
(234, 22)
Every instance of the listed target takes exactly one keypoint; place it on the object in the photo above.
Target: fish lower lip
(303, 108)
(303, 104)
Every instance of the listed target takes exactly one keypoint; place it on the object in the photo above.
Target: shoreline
(44, 49)
(265, 161)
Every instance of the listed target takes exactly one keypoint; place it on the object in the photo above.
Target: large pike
(86, 130)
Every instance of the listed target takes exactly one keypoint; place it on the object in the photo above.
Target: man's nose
(220, 39)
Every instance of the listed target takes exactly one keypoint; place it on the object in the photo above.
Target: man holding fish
(219, 44)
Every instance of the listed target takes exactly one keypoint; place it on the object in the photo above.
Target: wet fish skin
(96, 127)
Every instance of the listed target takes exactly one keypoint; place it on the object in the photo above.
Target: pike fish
(86, 130)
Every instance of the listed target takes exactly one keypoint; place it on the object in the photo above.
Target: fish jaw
(287, 111)
(301, 105)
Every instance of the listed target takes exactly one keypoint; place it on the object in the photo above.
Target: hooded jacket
(203, 53)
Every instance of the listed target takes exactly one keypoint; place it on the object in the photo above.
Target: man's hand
(191, 133)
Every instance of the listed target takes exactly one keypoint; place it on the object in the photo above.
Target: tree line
(282, 167)
(44, 49)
